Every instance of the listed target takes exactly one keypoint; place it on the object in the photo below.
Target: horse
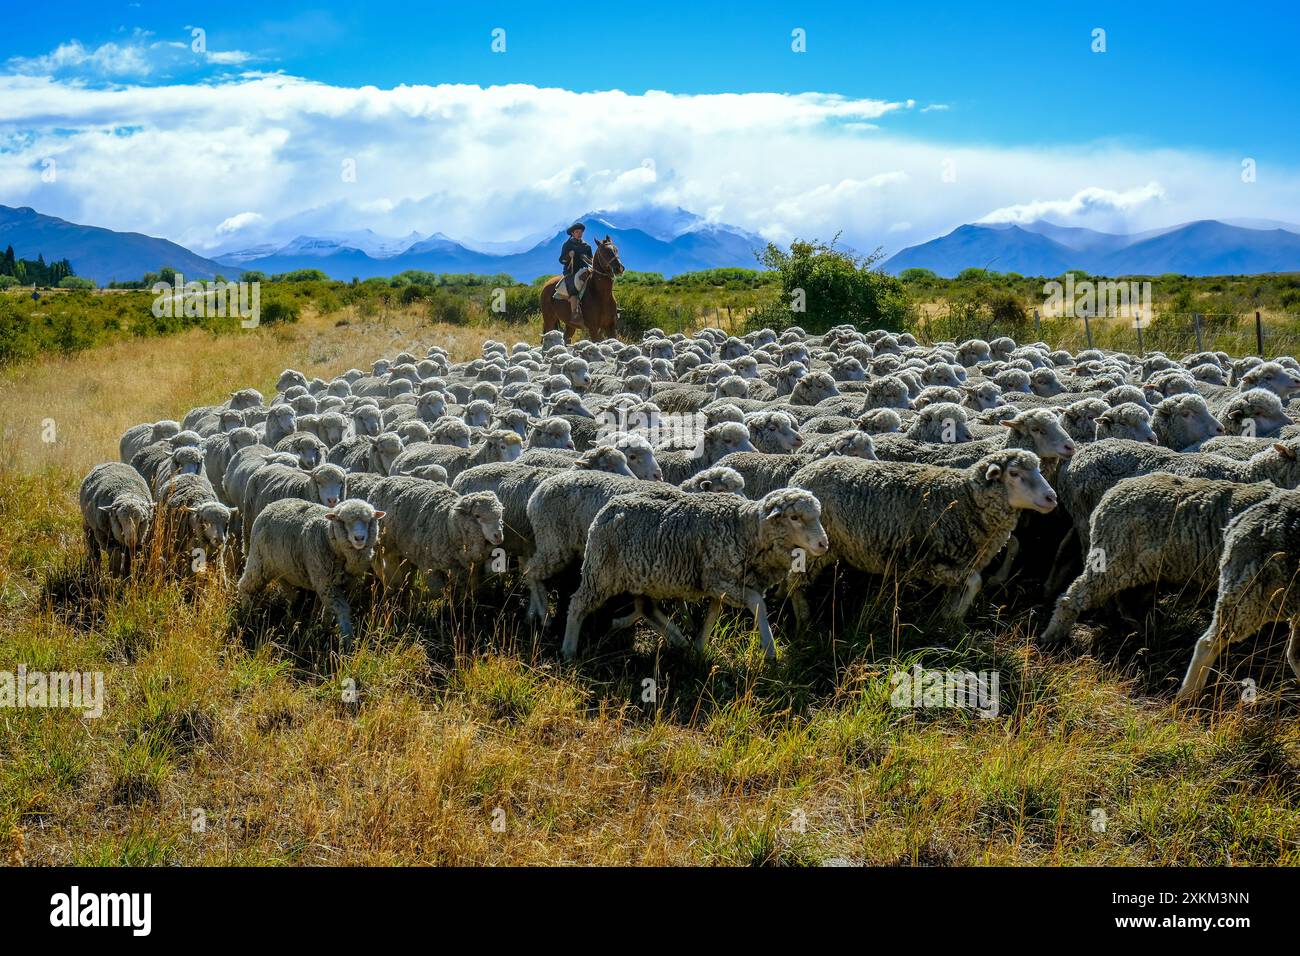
(599, 310)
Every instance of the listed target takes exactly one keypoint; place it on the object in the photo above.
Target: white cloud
(138, 57)
(936, 108)
(504, 162)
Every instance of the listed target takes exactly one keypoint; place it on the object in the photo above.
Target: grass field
(451, 736)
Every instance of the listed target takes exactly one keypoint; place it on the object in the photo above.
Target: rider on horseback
(575, 256)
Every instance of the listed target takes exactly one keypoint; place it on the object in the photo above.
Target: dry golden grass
(467, 743)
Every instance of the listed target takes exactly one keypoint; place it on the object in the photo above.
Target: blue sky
(1182, 94)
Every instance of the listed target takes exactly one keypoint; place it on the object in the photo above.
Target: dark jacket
(581, 255)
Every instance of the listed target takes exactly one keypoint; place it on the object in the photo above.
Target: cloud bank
(255, 157)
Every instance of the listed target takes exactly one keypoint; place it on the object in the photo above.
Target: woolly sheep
(137, 437)
(192, 519)
(325, 484)
(719, 548)
(1127, 420)
(1272, 376)
(496, 446)
(945, 523)
(378, 455)
(305, 545)
(1256, 412)
(718, 479)
(1153, 528)
(116, 511)
(1183, 421)
(774, 432)
(679, 464)
(186, 460)
(1257, 585)
(435, 530)
(217, 452)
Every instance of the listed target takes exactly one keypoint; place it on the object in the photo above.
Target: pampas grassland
(451, 736)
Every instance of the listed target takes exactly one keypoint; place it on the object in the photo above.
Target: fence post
(1087, 327)
(1137, 323)
(1038, 325)
(1196, 322)
(1259, 333)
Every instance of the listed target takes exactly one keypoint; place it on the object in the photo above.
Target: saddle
(573, 284)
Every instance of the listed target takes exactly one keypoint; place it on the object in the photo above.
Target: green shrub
(835, 287)
(277, 311)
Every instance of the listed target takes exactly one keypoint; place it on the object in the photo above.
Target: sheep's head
(775, 432)
(813, 388)
(355, 523)
(478, 414)
(720, 440)
(211, 522)
(367, 420)
(604, 458)
(411, 431)
(503, 446)
(482, 512)
(569, 403)
(1013, 380)
(880, 421)
(514, 420)
(889, 392)
(450, 431)
(1126, 420)
(1256, 413)
(793, 516)
(241, 438)
(639, 454)
(187, 460)
(289, 378)
(431, 406)
(387, 446)
(1044, 383)
(718, 479)
(982, 396)
(551, 433)
(1043, 430)
(282, 417)
(850, 445)
(1019, 476)
(128, 518)
(308, 448)
(331, 427)
(328, 482)
(941, 422)
(1184, 420)
(1278, 379)
(940, 374)
(1080, 418)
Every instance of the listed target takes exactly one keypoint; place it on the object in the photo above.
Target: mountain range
(1203, 248)
(668, 240)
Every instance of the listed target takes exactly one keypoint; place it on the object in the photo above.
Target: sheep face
(483, 511)
(880, 422)
(307, 448)
(568, 403)
(128, 517)
(478, 414)
(431, 406)
(793, 518)
(724, 439)
(504, 446)
(1128, 420)
(1044, 383)
(1279, 380)
(328, 482)
(552, 433)
(983, 396)
(231, 419)
(640, 457)
(778, 432)
(1043, 429)
(856, 445)
(719, 480)
(889, 392)
(1025, 486)
(813, 388)
(211, 524)
(1185, 420)
(332, 427)
(367, 420)
(605, 458)
(451, 432)
(354, 524)
(187, 460)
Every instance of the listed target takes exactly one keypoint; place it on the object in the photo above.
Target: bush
(447, 307)
(277, 311)
(76, 282)
(8, 282)
(836, 287)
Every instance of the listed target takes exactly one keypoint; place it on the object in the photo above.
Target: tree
(823, 286)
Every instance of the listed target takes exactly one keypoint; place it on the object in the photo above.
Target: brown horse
(599, 310)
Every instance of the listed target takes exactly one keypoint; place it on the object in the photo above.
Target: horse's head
(606, 259)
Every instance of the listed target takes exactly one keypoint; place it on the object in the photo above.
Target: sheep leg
(957, 608)
(710, 621)
(1011, 550)
(92, 551)
(1086, 592)
(338, 602)
(1229, 625)
(585, 600)
(1293, 647)
(758, 607)
(664, 624)
(638, 612)
(1063, 564)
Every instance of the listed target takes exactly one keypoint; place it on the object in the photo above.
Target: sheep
(717, 479)
(325, 484)
(1037, 430)
(551, 433)
(1274, 377)
(498, 445)
(1257, 585)
(412, 431)
(378, 454)
(813, 388)
(116, 512)
(194, 523)
(435, 530)
(774, 432)
(719, 548)
(1153, 528)
(940, 422)
(1079, 419)
(217, 452)
(1100, 466)
(243, 464)
(1256, 413)
(148, 461)
(309, 450)
(880, 421)
(947, 523)
(513, 484)
(137, 437)
(1182, 422)
(305, 545)
(186, 460)
(718, 440)
(1127, 420)
(281, 421)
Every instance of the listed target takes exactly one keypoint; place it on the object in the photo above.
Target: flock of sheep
(712, 468)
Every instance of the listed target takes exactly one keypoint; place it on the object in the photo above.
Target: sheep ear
(380, 515)
(774, 513)
(1285, 450)
(333, 516)
(993, 473)
(707, 485)
(233, 512)
(1009, 423)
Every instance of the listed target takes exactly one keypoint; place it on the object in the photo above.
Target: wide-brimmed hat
(576, 225)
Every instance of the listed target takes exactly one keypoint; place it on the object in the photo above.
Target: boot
(575, 312)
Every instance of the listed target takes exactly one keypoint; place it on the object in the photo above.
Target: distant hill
(1203, 248)
(97, 253)
(649, 240)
